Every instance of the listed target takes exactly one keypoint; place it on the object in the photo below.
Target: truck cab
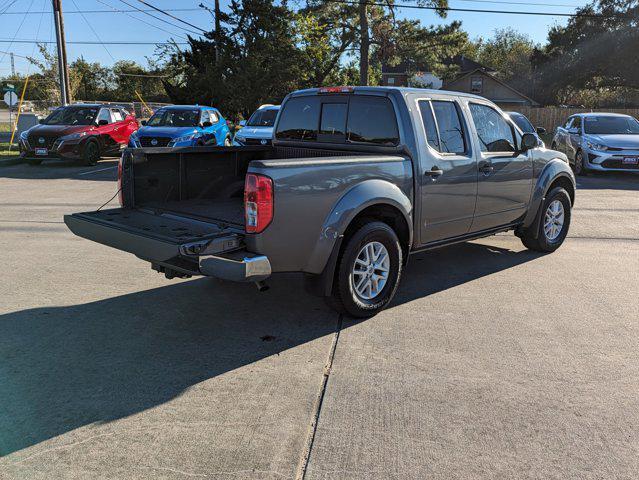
(357, 178)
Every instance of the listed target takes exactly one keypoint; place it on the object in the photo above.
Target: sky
(115, 25)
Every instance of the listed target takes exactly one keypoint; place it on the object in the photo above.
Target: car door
(106, 130)
(573, 137)
(447, 170)
(505, 174)
(119, 133)
(562, 135)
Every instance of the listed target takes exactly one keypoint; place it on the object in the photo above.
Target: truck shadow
(104, 171)
(65, 367)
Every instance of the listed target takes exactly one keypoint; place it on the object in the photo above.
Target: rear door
(120, 131)
(448, 170)
(107, 132)
(504, 173)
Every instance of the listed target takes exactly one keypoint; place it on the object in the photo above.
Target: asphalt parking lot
(493, 362)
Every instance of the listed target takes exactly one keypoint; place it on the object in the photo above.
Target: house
(473, 78)
(405, 75)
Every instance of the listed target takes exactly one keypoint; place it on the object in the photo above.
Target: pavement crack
(317, 408)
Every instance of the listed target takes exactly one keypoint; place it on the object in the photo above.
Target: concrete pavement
(493, 362)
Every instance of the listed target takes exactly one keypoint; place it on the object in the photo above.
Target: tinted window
(333, 119)
(576, 123)
(494, 132)
(117, 115)
(429, 124)
(299, 119)
(263, 118)
(611, 125)
(372, 120)
(174, 118)
(72, 116)
(451, 134)
(522, 122)
(104, 115)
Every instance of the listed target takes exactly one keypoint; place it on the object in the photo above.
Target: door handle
(486, 169)
(434, 172)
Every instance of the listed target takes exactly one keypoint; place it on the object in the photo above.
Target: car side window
(116, 115)
(213, 117)
(568, 123)
(430, 127)
(576, 123)
(494, 132)
(448, 126)
(104, 114)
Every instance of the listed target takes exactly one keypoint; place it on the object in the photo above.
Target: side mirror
(242, 123)
(529, 141)
(103, 122)
(573, 130)
(541, 130)
(207, 124)
(143, 123)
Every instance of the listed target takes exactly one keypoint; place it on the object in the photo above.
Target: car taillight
(336, 90)
(258, 202)
(120, 198)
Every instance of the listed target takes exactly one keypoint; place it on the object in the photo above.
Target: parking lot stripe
(96, 171)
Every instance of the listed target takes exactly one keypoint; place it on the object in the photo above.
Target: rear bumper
(238, 267)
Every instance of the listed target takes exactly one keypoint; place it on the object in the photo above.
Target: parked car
(83, 132)
(183, 126)
(599, 142)
(526, 126)
(259, 128)
(357, 179)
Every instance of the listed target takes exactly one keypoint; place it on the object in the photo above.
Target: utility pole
(13, 65)
(364, 43)
(216, 34)
(65, 95)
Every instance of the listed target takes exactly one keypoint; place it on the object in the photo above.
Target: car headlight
(597, 146)
(185, 138)
(73, 136)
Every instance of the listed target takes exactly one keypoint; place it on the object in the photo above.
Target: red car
(79, 132)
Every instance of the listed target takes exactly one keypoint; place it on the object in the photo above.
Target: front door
(448, 172)
(504, 173)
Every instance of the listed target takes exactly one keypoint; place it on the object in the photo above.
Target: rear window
(444, 130)
(372, 120)
(358, 119)
(300, 119)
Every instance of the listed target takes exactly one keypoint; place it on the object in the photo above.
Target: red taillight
(258, 202)
(120, 199)
(336, 90)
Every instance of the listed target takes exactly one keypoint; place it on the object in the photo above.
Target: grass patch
(5, 127)
(5, 154)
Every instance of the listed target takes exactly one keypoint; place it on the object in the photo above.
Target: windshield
(263, 118)
(175, 118)
(611, 125)
(72, 116)
(522, 122)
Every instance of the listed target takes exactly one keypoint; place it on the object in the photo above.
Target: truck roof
(400, 90)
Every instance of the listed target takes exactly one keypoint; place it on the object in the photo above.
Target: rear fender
(553, 170)
(354, 201)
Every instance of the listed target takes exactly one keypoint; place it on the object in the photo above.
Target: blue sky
(117, 26)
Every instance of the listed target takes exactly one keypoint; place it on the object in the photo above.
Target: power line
(17, 30)
(67, 12)
(95, 33)
(172, 16)
(86, 42)
(477, 10)
(117, 10)
(158, 18)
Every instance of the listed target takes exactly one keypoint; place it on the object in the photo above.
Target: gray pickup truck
(355, 180)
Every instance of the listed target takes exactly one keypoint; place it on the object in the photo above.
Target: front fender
(354, 201)
(554, 169)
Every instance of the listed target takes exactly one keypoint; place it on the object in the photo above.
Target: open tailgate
(158, 238)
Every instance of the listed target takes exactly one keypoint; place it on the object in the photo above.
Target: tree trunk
(364, 43)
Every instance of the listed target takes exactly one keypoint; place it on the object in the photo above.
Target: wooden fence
(552, 117)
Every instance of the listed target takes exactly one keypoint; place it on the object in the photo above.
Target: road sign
(11, 99)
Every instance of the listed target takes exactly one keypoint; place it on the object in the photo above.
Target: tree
(596, 51)
(508, 52)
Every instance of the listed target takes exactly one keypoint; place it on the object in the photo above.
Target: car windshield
(522, 122)
(263, 118)
(611, 125)
(72, 116)
(175, 118)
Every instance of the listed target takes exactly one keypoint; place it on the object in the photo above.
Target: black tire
(541, 242)
(344, 297)
(579, 168)
(34, 161)
(91, 153)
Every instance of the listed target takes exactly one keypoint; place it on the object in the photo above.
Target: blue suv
(182, 126)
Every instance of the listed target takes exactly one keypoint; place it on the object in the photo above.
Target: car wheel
(553, 224)
(580, 167)
(368, 271)
(227, 142)
(91, 153)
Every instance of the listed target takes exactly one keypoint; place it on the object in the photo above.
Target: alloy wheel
(370, 270)
(554, 220)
